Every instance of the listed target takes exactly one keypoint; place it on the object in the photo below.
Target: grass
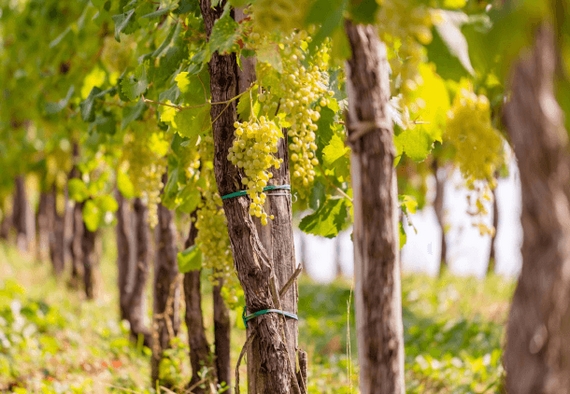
(53, 341)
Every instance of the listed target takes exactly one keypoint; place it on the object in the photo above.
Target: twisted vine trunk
(492, 265)
(376, 249)
(222, 331)
(438, 207)
(56, 240)
(23, 217)
(90, 261)
(136, 305)
(76, 227)
(537, 354)
(200, 354)
(124, 250)
(166, 309)
(264, 259)
(43, 228)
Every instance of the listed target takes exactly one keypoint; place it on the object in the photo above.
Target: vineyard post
(537, 353)
(376, 240)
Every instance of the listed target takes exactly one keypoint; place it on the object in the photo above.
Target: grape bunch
(478, 148)
(145, 152)
(478, 145)
(253, 150)
(213, 239)
(291, 95)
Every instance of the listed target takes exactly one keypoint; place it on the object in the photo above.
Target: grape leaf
(329, 15)
(125, 185)
(328, 220)
(334, 150)
(225, 34)
(122, 22)
(189, 259)
(132, 113)
(415, 143)
(92, 215)
(135, 85)
(363, 11)
(77, 190)
(449, 49)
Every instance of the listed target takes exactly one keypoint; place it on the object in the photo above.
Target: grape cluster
(213, 239)
(291, 95)
(253, 150)
(146, 166)
(478, 148)
(478, 145)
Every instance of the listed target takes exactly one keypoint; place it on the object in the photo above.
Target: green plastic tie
(247, 318)
(268, 188)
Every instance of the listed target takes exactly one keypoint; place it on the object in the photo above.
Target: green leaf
(328, 220)
(122, 22)
(92, 215)
(449, 49)
(54, 108)
(77, 190)
(136, 85)
(190, 197)
(225, 34)
(189, 259)
(334, 150)
(329, 15)
(317, 195)
(403, 235)
(415, 142)
(192, 122)
(88, 105)
(363, 11)
(269, 53)
(408, 203)
(325, 132)
(125, 185)
(132, 113)
(106, 203)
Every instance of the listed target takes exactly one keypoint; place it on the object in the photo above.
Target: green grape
(291, 93)
(213, 239)
(253, 150)
(146, 165)
(478, 146)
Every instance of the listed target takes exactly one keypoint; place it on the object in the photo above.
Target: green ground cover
(53, 341)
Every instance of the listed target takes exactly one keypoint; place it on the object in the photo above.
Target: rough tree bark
(376, 251)
(222, 336)
(90, 261)
(200, 354)
(75, 246)
(42, 228)
(23, 217)
(492, 251)
(124, 251)
(136, 305)
(56, 225)
(438, 207)
(537, 354)
(76, 228)
(166, 308)
(272, 355)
